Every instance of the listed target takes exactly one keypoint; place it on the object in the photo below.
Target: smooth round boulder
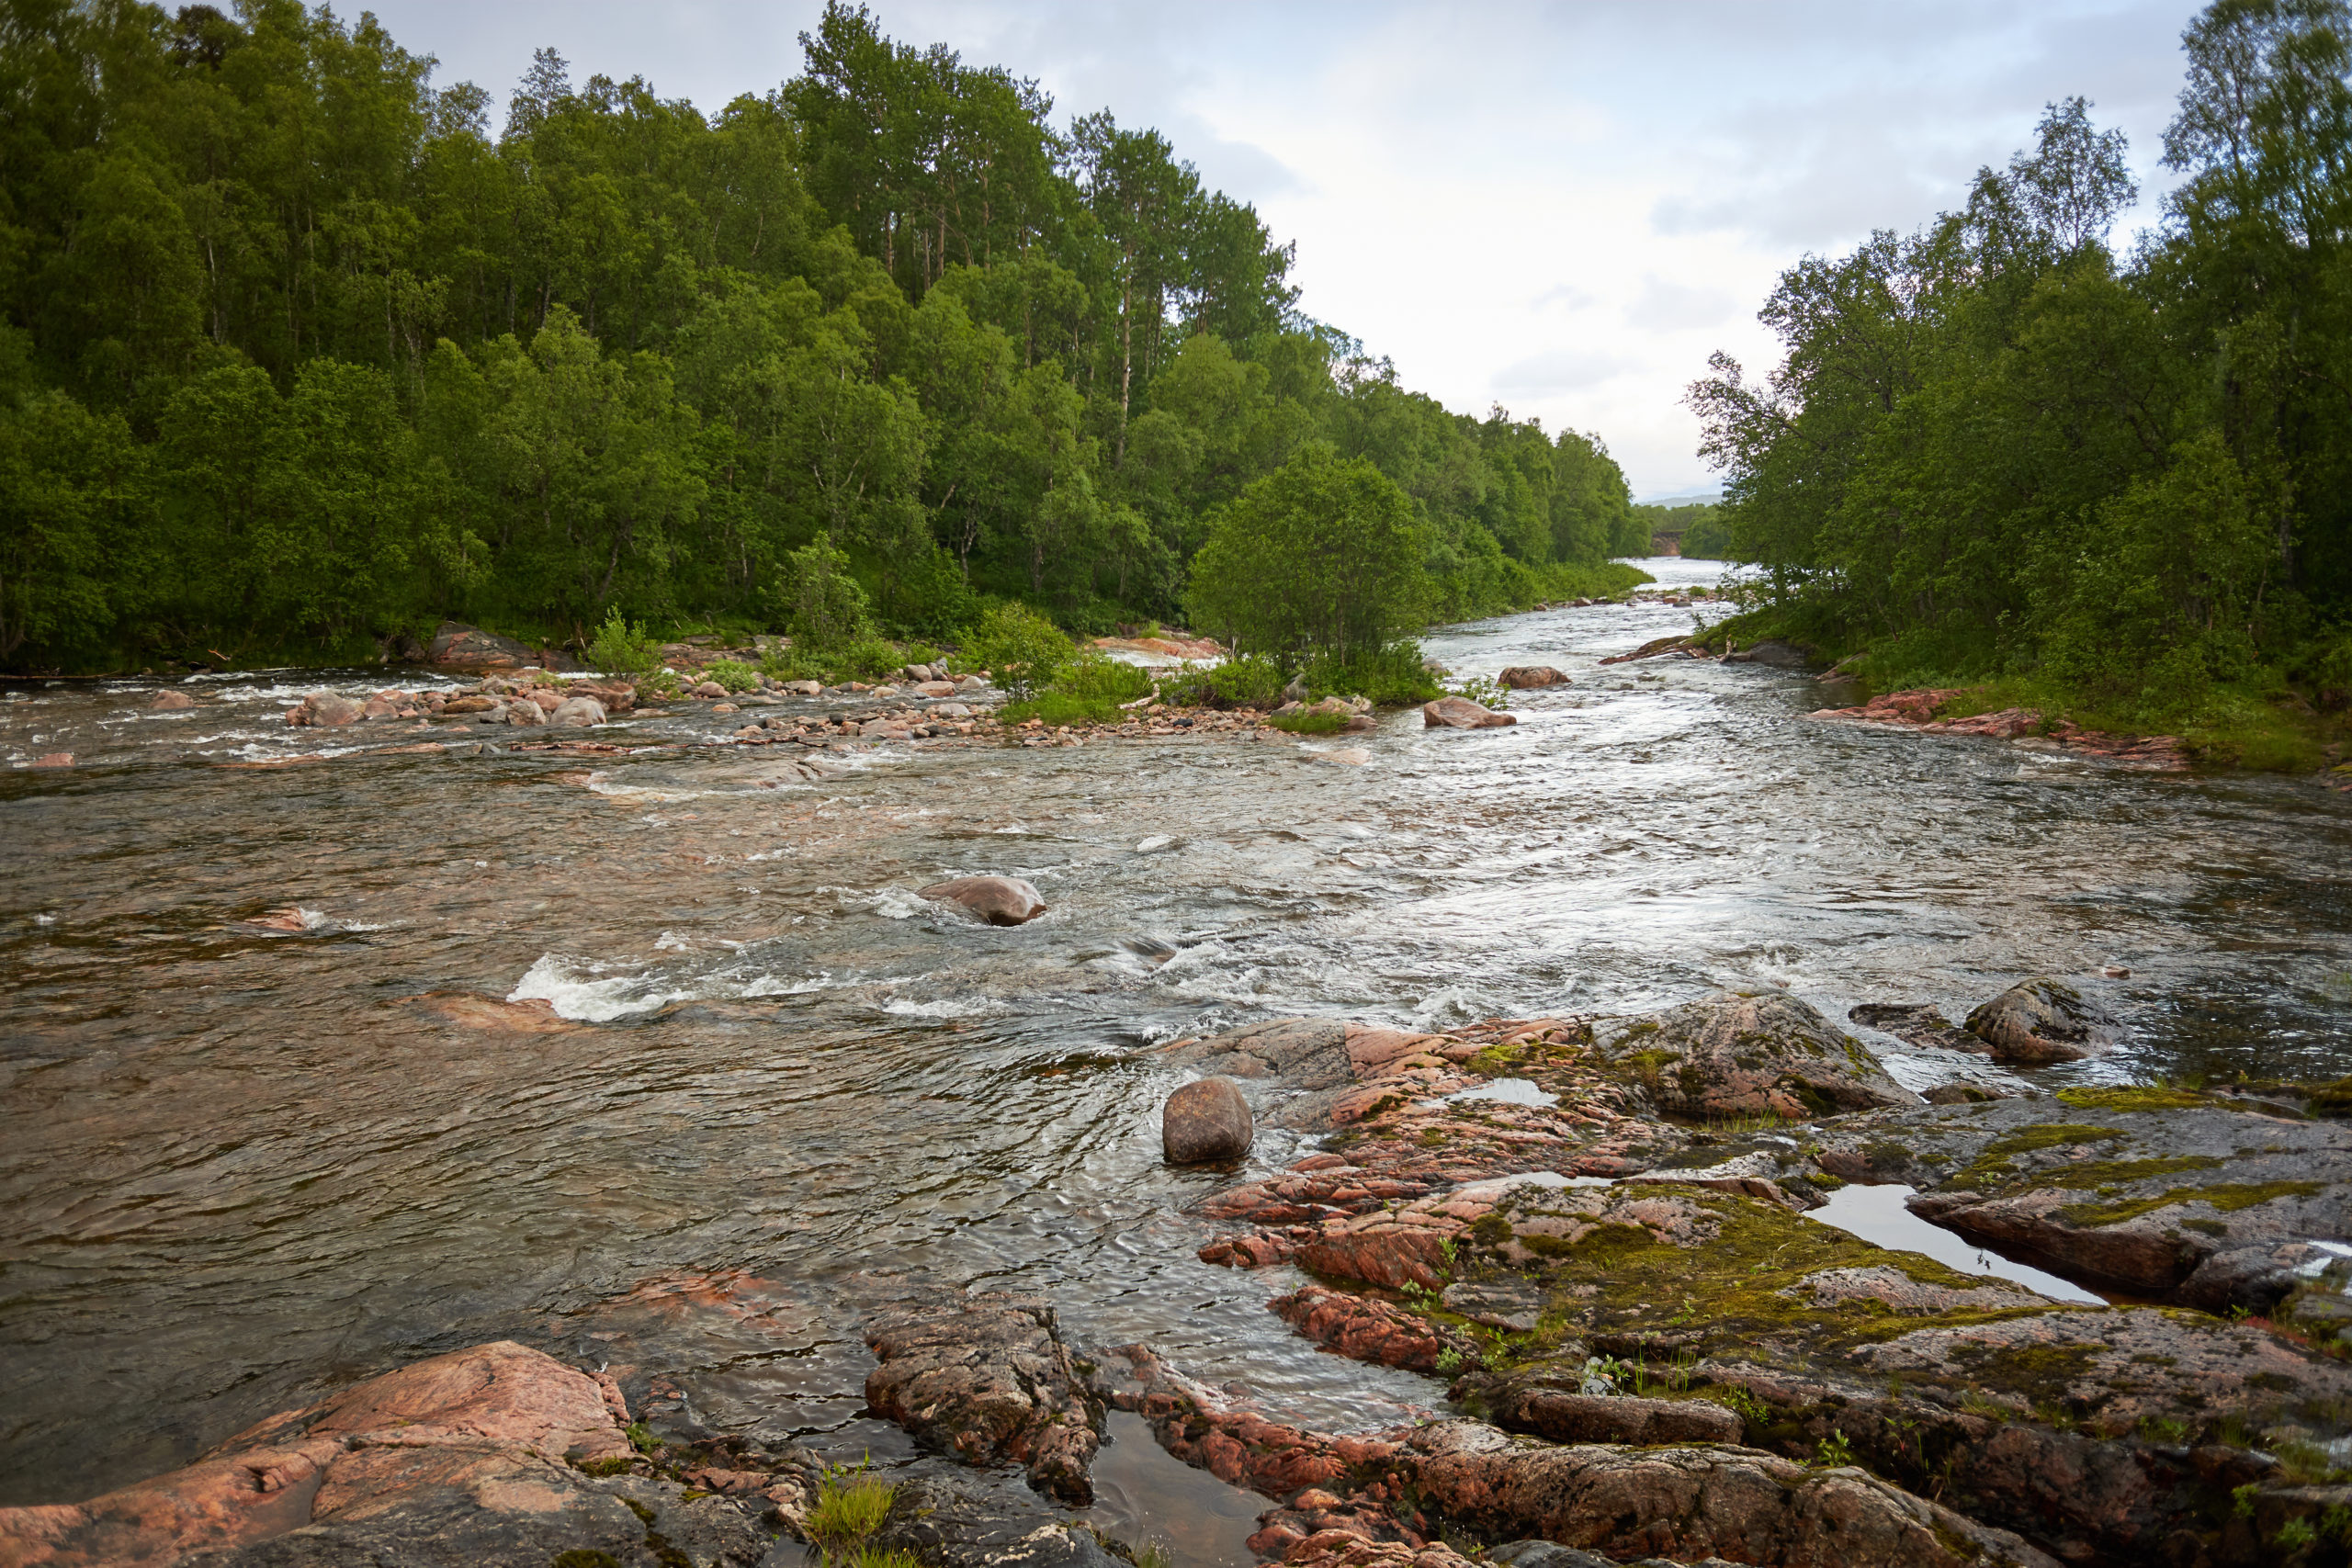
(169, 702)
(577, 713)
(999, 900)
(1520, 677)
(1461, 713)
(325, 708)
(1205, 1121)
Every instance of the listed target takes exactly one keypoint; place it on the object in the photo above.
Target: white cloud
(1563, 206)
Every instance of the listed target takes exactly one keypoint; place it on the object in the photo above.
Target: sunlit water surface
(236, 1168)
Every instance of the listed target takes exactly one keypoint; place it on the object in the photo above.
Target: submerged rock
(579, 711)
(988, 1377)
(1461, 713)
(1520, 677)
(2040, 1020)
(1916, 1023)
(1771, 651)
(999, 900)
(169, 702)
(1205, 1121)
(980, 1521)
(1735, 1055)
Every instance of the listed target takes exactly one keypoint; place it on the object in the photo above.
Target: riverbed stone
(999, 900)
(171, 701)
(1461, 713)
(1206, 1121)
(1771, 652)
(577, 713)
(2039, 1021)
(325, 709)
(1916, 1023)
(1366, 1328)
(982, 1521)
(1520, 677)
(988, 1377)
(1741, 1054)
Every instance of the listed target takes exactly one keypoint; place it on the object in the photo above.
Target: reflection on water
(237, 1164)
(1877, 1214)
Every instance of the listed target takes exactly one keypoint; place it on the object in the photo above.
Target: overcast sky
(1560, 207)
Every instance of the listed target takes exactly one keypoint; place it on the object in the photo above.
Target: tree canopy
(297, 352)
(1996, 446)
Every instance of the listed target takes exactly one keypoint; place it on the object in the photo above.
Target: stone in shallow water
(999, 900)
(1205, 1121)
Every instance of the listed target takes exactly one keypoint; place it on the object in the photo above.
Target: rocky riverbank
(1603, 1238)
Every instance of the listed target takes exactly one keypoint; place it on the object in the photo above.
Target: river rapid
(238, 1166)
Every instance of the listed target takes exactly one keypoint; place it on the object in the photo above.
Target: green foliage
(1088, 691)
(621, 648)
(1996, 451)
(1393, 676)
(640, 1437)
(821, 603)
(1833, 1452)
(733, 674)
(306, 354)
(1247, 680)
(1323, 557)
(851, 1505)
(1021, 650)
(1309, 723)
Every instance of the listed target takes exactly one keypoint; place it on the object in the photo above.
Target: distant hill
(1691, 498)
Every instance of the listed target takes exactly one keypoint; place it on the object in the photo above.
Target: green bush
(733, 674)
(1307, 722)
(1393, 677)
(619, 649)
(1251, 681)
(821, 603)
(1021, 650)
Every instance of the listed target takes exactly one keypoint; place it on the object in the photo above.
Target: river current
(237, 1167)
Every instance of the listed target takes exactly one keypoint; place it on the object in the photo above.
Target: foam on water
(564, 984)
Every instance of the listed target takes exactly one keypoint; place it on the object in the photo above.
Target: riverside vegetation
(1999, 453)
(298, 356)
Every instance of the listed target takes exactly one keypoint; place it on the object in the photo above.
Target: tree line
(1998, 448)
(299, 355)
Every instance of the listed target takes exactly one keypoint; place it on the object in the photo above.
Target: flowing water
(239, 1166)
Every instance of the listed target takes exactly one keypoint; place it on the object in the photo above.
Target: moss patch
(1993, 1168)
(2228, 1197)
(2156, 1098)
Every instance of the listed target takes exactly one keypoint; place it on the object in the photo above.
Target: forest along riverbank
(576, 1044)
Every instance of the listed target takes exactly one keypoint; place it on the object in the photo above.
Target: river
(237, 1167)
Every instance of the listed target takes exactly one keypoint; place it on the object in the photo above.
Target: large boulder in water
(1205, 1121)
(1461, 713)
(1737, 1055)
(2040, 1020)
(325, 708)
(1519, 677)
(460, 646)
(1771, 651)
(577, 713)
(999, 900)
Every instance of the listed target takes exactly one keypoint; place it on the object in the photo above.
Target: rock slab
(1461, 713)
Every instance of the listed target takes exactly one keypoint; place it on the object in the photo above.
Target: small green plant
(1741, 1402)
(658, 683)
(2242, 1499)
(1480, 689)
(1449, 1362)
(868, 1555)
(2295, 1533)
(851, 1505)
(1833, 1452)
(641, 1437)
(733, 674)
(619, 649)
(611, 1465)
(2169, 1430)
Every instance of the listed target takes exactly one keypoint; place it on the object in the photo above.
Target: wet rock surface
(496, 1455)
(983, 1521)
(990, 1377)
(1521, 677)
(999, 900)
(1733, 1054)
(2040, 1020)
(1461, 713)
